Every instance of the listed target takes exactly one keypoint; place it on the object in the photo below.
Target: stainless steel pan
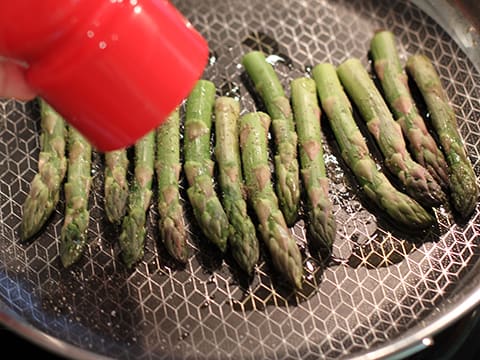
(385, 293)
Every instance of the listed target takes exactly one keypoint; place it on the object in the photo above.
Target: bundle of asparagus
(241, 151)
(418, 182)
(354, 149)
(463, 181)
(394, 82)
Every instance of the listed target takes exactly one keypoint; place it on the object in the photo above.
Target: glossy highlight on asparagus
(46, 185)
(400, 207)
(198, 166)
(418, 182)
(283, 250)
(321, 224)
(394, 82)
(278, 106)
(463, 181)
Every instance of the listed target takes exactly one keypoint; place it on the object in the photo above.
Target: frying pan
(384, 293)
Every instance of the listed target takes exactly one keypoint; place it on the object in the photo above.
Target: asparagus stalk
(116, 184)
(198, 166)
(278, 106)
(243, 240)
(171, 222)
(284, 251)
(353, 146)
(52, 164)
(418, 182)
(132, 237)
(73, 236)
(321, 225)
(394, 82)
(463, 182)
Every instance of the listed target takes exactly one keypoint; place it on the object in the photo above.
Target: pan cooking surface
(381, 284)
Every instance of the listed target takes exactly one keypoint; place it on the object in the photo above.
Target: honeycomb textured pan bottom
(382, 283)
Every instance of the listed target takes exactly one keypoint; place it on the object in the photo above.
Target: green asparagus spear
(321, 225)
(73, 237)
(171, 222)
(278, 106)
(46, 184)
(394, 82)
(243, 240)
(198, 166)
(116, 184)
(353, 146)
(283, 250)
(418, 182)
(463, 182)
(132, 237)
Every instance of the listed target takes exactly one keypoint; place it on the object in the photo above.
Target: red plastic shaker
(114, 69)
